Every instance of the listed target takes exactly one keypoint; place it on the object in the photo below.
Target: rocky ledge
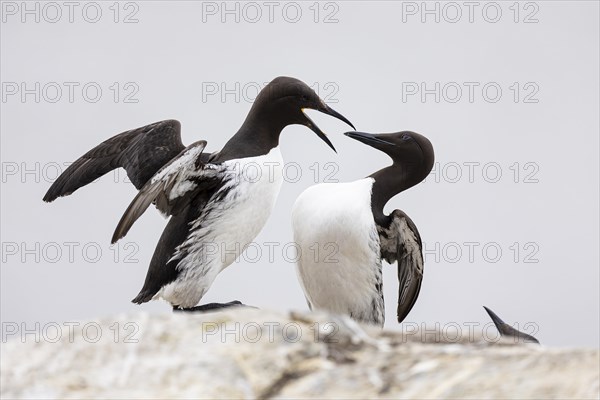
(249, 353)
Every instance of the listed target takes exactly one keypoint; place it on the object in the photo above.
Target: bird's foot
(210, 306)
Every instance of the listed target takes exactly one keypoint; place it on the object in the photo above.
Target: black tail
(162, 269)
(143, 297)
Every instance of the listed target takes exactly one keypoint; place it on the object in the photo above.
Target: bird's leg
(209, 306)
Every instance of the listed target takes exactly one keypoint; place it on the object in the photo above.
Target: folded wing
(403, 245)
(172, 188)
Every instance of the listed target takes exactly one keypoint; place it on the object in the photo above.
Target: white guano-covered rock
(250, 353)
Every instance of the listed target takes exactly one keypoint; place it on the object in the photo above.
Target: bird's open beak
(369, 139)
(325, 109)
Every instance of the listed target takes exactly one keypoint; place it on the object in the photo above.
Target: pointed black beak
(325, 109)
(508, 331)
(330, 111)
(496, 319)
(369, 139)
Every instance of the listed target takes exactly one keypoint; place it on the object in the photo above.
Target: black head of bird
(283, 101)
(411, 152)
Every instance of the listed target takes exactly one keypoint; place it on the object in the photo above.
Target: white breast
(226, 226)
(247, 207)
(340, 264)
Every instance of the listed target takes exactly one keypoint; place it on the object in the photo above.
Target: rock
(249, 353)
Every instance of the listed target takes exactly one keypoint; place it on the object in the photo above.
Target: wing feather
(401, 242)
(168, 188)
(410, 266)
(141, 152)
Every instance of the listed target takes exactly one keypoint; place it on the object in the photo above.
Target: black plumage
(183, 181)
(141, 152)
(412, 155)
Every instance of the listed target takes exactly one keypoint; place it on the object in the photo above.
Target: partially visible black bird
(507, 331)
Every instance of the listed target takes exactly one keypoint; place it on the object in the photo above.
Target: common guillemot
(347, 279)
(211, 203)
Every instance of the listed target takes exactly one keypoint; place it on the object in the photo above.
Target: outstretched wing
(172, 188)
(142, 152)
(401, 242)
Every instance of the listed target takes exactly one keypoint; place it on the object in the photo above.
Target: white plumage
(227, 226)
(340, 262)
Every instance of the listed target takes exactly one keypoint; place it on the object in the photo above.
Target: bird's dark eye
(304, 97)
(406, 137)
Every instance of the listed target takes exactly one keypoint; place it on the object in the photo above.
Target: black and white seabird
(215, 210)
(347, 279)
(507, 331)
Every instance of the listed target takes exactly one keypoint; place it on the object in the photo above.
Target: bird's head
(405, 148)
(284, 100)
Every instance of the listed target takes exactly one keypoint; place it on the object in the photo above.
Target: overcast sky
(507, 95)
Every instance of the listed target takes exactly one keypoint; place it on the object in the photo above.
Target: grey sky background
(366, 62)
